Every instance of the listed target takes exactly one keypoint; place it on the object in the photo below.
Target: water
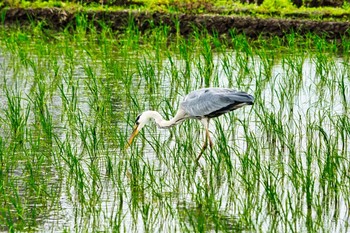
(280, 165)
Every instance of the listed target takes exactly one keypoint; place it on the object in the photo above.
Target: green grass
(70, 98)
(269, 8)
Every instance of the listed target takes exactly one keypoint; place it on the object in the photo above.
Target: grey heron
(202, 104)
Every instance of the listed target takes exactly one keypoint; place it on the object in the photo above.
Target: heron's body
(213, 102)
(201, 104)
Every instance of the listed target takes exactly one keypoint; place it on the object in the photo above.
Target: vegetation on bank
(313, 9)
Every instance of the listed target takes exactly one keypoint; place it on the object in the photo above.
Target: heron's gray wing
(211, 102)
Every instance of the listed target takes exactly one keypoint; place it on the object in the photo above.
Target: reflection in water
(206, 217)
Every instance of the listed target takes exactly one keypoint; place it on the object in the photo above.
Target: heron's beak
(133, 135)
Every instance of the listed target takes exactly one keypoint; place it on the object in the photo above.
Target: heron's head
(140, 122)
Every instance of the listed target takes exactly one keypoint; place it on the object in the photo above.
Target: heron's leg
(205, 122)
(205, 145)
(208, 138)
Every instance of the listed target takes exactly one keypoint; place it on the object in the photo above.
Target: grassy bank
(269, 8)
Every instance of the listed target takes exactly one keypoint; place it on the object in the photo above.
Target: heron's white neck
(162, 123)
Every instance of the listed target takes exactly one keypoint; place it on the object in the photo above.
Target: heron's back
(213, 102)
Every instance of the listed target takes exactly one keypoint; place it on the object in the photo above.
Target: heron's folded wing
(205, 102)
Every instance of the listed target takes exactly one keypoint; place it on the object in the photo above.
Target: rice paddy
(69, 100)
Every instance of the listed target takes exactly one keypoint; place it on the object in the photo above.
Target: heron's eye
(137, 119)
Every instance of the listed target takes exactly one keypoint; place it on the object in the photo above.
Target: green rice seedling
(185, 52)
(223, 151)
(148, 72)
(242, 66)
(270, 183)
(291, 40)
(42, 114)
(15, 114)
(159, 41)
(77, 177)
(226, 59)
(81, 26)
(69, 100)
(343, 88)
(331, 163)
(92, 85)
(131, 37)
(294, 66)
(240, 42)
(342, 123)
(267, 61)
(308, 179)
(205, 64)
